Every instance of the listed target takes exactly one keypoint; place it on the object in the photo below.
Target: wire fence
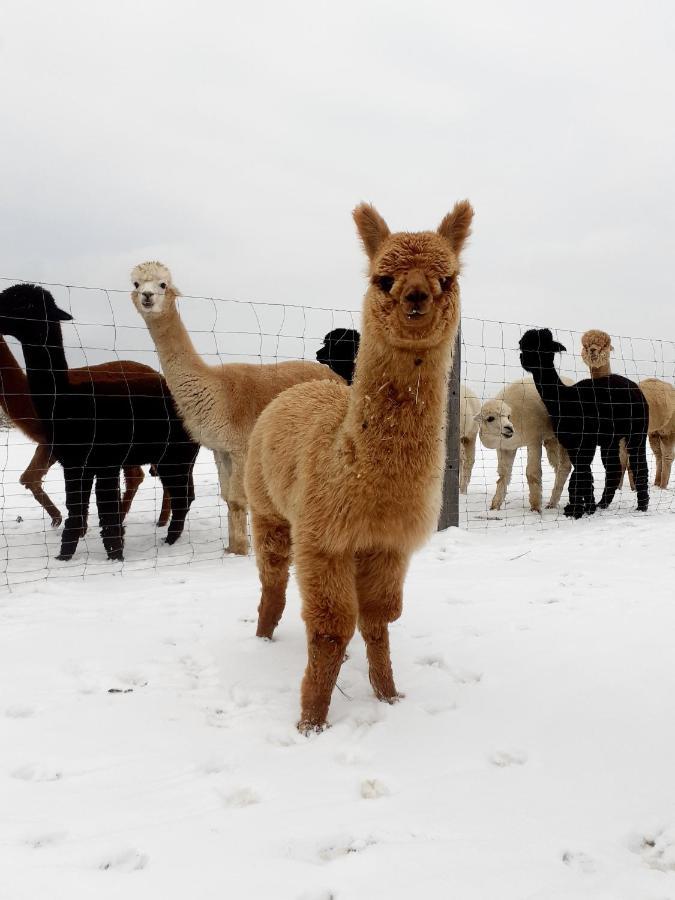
(106, 326)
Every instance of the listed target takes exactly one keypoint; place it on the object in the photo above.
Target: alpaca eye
(163, 285)
(136, 285)
(385, 282)
(490, 418)
(445, 283)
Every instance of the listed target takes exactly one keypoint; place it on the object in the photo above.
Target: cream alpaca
(219, 405)
(354, 474)
(469, 407)
(515, 418)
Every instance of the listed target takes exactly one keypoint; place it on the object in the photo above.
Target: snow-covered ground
(148, 745)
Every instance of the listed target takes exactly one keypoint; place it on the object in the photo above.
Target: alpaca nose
(147, 295)
(417, 302)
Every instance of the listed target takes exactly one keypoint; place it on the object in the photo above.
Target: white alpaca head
(154, 292)
(495, 427)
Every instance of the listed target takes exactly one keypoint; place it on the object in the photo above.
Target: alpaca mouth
(147, 304)
(507, 434)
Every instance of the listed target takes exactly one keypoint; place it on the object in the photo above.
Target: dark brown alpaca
(16, 401)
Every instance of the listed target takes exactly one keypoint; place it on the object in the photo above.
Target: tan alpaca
(354, 474)
(660, 395)
(219, 405)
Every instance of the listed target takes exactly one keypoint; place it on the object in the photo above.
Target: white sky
(232, 141)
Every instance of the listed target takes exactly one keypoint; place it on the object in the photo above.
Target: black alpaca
(339, 350)
(593, 412)
(93, 429)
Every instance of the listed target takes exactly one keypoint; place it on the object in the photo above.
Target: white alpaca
(219, 405)
(515, 418)
(469, 407)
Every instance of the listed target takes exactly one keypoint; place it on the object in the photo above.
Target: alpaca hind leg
(560, 461)
(581, 498)
(637, 454)
(379, 588)
(505, 460)
(109, 512)
(655, 444)
(468, 456)
(78, 490)
(667, 454)
(165, 511)
(32, 480)
(237, 505)
(329, 608)
(625, 467)
(177, 480)
(533, 474)
(133, 479)
(272, 543)
(611, 460)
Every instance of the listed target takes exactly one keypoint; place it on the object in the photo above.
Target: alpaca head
(538, 349)
(413, 298)
(596, 347)
(154, 292)
(339, 350)
(27, 311)
(495, 425)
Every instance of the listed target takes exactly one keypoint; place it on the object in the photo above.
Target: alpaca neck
(601, 371)
(180, 361)
(397, 406)
(550, 387)
(14, 394)
(47, 373)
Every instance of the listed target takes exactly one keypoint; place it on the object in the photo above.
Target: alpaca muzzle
(147, 299)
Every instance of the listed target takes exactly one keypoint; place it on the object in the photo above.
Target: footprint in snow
(657, 849)
(373, 788)
(240, 798)
(45, 839)
(458, 674)
(19, 711)
(504, 758)
(127, 860)
(581, 862)
(36, 772)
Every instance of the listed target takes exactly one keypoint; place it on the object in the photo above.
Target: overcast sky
(232, 140)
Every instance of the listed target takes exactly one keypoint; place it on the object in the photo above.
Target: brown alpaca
(660, 395)
(15, 399)
(354, 474)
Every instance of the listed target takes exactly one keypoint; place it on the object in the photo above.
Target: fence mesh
(106, 326)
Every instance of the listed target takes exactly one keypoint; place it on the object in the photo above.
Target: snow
(148, 746)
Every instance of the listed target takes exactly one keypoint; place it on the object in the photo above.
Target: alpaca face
(596, 347)
(26, 311)
(153, 292)
(339, 350)
(495, 426)
(413, 299)
(538, 349)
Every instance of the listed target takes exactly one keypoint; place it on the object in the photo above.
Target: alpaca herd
(340, 461)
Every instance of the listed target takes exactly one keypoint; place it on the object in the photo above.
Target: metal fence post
(450, 508)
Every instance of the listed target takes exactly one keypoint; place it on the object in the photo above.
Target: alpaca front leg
(78, 490)
(611, 460)
(560, 461)
(655, 444)
(272, 544)
(637, 454)
(328, 589)
(32, 480)
(533, 475)
(667, 448)
(176, 479)
(379, 589)
(581, 484)
(505, 460)
(109, 512)
(467, 458)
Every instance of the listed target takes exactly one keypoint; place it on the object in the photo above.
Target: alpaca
(469, 407)
(352, 477)
(339, 350)
(660, 396)
(218, 404)
(584, 415)
(515, 418)
(95, 428)
(16, 402)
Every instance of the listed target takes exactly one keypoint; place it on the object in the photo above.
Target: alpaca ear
(478, 417)
(558, 348)
(456, 226)
(372, 228)
(63, 316)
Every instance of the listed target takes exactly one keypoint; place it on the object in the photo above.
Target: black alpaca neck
(47, 373)
(550, 387)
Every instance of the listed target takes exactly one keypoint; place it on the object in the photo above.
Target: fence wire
(106, 326)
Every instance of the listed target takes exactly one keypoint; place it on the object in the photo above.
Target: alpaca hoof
(536, 509)
(171, 538)
(642, 507)
(64, 557)
(116, 555)
(551, 506)
(573, 512)
(56, 521)
(162, 521)
(306, 727)
(237, 549)
(391, 699)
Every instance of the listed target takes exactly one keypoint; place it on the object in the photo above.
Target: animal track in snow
(45, 839)
(372, 788)
(240, 798)
(657, 849)
(19, 711)
(36, 772)
(458, 674)
(504, 758)
(128, 860)
(582, 862)
(343, 847)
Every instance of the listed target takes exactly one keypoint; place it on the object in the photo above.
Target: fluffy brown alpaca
(15, 399)
(354, 474)
(596, 347)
